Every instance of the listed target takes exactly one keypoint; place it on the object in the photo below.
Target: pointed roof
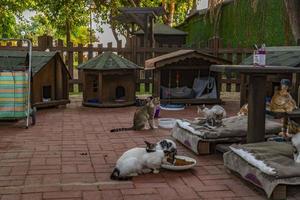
(108, 61)
(176, 56)
(10, 59)
(162, 29)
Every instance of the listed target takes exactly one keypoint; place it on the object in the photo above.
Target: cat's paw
(134, 174)
(155, 127)
(155, 171)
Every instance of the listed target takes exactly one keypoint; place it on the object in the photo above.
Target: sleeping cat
(214, 115)
(143, 160)
(143, 117)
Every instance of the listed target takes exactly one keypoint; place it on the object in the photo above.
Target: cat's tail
(121, 129)
(115, 175)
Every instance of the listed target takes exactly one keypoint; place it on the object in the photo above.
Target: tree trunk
(68, 33)
(171, 12)
(293, 11)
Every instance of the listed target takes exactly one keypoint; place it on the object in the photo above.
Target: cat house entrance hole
(120, 92)
(47, 92)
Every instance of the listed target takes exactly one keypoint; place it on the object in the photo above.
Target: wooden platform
(109, 105)
(52, 103)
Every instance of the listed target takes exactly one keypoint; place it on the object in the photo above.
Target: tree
(176, 12)
(10, 10)
(65, 15)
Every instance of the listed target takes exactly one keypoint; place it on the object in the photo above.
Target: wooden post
(243, 89)
(256, 109)
(80, 72)
(90, 51)
(119, 47)
(70, 64)
(60, 45)
(100, 85)
(42, 42)
(100, 47)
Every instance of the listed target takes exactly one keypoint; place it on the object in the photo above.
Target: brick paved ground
(70, 154)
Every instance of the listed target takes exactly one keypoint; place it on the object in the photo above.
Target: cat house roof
(179, 55)
(11, 60)
(279, 56)
(108, 61)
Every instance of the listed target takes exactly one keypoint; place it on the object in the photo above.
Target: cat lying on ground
(143, 160)
(144, 117)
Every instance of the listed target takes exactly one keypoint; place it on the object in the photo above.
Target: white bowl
(167, 123)
(179, 168)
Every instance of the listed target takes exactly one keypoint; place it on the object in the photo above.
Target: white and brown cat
(144, 117)
(143, 160)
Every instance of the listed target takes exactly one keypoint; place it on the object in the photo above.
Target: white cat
(213, 115)
(143, 160)
(296, 146)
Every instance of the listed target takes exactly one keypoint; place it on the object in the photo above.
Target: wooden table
(257, 94)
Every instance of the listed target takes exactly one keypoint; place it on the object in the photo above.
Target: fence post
(70, 64)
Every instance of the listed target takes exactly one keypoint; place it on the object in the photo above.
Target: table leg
(256, 108)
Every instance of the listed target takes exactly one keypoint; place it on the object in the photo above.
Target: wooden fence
(75, 55)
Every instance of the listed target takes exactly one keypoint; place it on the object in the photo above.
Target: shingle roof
(279, 56)
(108, 61)
(162, 29)
(13, 59)
(176, 56)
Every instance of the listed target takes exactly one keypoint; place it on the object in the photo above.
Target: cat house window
(120, 92)
(47, 93)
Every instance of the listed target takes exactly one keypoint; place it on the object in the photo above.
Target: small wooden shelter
(50, 77)
(164, 35)
(276, 56)
(183, 76)
(109, 81)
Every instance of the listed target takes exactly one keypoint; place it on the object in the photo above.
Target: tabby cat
(292, 128)
(143, 117)
(282, 101)
(243, 111)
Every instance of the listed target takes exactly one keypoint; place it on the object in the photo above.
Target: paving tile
(74, 147)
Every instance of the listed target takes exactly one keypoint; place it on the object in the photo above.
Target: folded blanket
(272, 158)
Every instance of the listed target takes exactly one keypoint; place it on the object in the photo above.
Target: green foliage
(240, 23)
(10, 10)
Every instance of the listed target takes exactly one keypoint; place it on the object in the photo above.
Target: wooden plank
(279, 192)
(228, 84)
(80, 73)
(71, 65)
(203, 147)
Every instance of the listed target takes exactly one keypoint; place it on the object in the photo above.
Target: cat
(143, 117)
(282, 101)
(289, 129)
(296, 147)
(213, 115)
(141, 160)
(243, 111)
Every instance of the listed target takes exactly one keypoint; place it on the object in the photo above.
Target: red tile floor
(70, 153)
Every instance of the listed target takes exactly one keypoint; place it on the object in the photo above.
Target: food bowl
(178, 166)
(167, 123)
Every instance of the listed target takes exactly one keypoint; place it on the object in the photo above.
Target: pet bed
(177, 93)
(202, 140)
(268, 165)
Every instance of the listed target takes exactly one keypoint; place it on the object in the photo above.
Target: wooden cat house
(50, 77)
(109, 81)
(183, 76)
